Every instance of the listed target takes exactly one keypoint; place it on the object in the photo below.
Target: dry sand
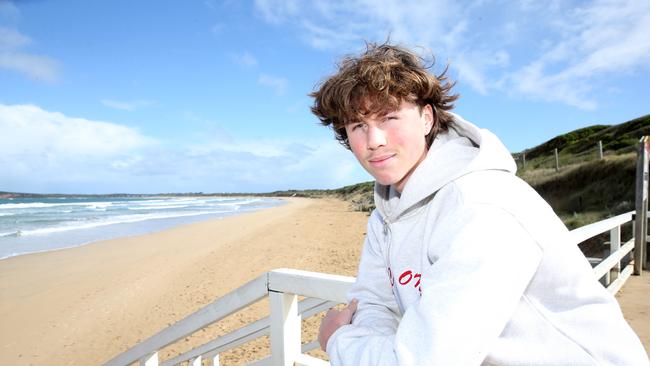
(82, 306)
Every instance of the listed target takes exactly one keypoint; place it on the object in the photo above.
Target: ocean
(29, 225)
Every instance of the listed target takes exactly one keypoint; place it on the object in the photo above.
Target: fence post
(557, 161)
(600, 149)
(524, 156)
(640, 228)
(285, 328)
(646, 162)
(615, 245)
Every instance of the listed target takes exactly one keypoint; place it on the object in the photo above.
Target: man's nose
(376, 138)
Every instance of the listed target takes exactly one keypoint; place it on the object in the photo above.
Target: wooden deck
(634, 298)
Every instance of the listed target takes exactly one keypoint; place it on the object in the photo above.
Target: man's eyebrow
(386, 112)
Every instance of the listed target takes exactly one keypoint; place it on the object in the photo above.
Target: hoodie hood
(463, 149)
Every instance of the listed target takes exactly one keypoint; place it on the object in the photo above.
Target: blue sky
(211, 96)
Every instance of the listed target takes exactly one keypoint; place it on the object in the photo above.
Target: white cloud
(267, 165)
(210, 4)
(10, 39)
(276, 11)
(601, 39)
(28, 129)
(334, 25)
(12, 57)
(614, 36)
(554, 51)
(126, 106)
(44, 151)
(532, 81)
(217, 28)
(278, 84)
(324, 38)
(471, 74)
(245, 59)
(248, 166)
(40, 68)
(434, 25)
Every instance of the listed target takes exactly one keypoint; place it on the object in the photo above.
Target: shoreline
(84, 305)
(117, 230)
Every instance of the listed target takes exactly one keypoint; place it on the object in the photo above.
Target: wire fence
(558, 159)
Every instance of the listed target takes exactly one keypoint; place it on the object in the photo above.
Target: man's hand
(333, 320)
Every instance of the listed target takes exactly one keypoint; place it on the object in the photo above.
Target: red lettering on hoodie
(407, 277)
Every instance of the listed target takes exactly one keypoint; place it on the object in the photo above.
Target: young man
(463, 264)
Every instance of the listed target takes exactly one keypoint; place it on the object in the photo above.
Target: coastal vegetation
(587, 188)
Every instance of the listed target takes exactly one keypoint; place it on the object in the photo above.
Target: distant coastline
(12, 195)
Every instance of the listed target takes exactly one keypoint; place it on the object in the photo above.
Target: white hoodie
(470, 266)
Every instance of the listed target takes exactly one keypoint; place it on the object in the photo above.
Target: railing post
(196, 361)
(149, 360)
(641, 231)
(285, 328)
(614, 245)
(214, 360)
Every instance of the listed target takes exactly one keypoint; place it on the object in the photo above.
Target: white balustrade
(321, 292)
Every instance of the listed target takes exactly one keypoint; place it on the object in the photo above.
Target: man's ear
(429, 118)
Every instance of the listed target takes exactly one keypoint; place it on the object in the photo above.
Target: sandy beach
(82, 306)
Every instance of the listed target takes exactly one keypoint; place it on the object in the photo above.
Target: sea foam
(33, 225)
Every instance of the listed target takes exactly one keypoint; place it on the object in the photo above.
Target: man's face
(390, 146)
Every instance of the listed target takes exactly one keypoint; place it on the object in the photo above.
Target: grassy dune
(587, 189)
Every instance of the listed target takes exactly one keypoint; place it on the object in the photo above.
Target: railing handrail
(259, 328)
(608, 263)
(579, 235)
(330, 289)
(311, 284)
(215, 311)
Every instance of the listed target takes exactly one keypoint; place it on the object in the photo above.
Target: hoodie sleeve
(377, 311)
(482, 261)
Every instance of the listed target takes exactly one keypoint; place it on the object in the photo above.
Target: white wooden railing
(321, 292)
(608, 270)
(282, 286)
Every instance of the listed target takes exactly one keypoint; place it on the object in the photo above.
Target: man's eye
(357, 126)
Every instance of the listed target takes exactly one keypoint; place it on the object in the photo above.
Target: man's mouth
(379, 160)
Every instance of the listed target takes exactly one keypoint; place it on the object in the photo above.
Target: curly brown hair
(378, 81)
